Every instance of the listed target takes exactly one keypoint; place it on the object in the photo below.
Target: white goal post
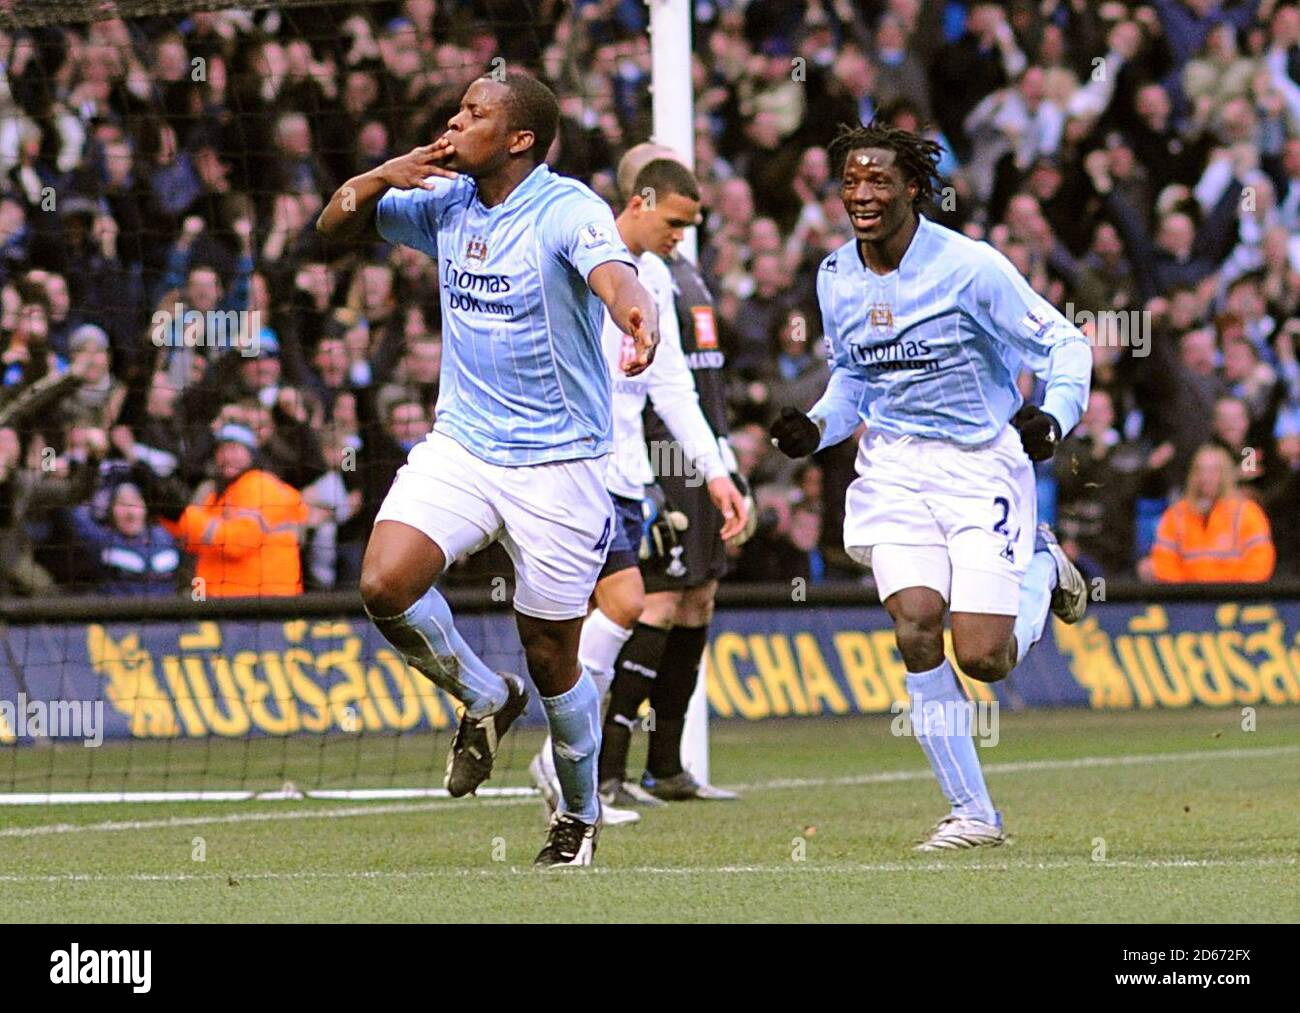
(673, 111)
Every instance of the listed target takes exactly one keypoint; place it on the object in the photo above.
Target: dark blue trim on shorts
(625, 544)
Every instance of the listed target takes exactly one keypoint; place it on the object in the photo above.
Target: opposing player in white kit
(665, 202)
(927, 331)
(529, 263)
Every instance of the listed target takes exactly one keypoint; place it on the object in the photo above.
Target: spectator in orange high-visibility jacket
(1214, 533)
(245, 531)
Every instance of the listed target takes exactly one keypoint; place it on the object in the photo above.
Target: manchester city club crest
(476, 249)
(880, 316)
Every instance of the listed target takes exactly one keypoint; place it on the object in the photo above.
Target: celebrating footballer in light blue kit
(529, 262)
(933, 348)
(523, 376)
(927, 331)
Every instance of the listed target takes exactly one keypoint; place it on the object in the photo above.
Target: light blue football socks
(427, 638)
(1035, 600)
(574, 717)
(942, 719)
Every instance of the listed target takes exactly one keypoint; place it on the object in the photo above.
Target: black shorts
(625, 542)
(704, 554)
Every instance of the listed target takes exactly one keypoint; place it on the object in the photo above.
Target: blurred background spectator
(1212, 533)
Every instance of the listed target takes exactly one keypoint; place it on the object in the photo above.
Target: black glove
(795, 434)
(1040, 433)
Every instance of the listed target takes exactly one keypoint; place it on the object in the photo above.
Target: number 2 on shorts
(1002, 503)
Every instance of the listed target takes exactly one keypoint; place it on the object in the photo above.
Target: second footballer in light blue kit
(529, 263)
(927, 331)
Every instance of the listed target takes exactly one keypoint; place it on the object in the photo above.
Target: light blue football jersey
(933, 348)
(524, 379)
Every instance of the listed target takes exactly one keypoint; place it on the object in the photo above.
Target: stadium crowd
(1138, 162)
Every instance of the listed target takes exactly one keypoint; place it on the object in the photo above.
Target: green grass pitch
(1169, 816)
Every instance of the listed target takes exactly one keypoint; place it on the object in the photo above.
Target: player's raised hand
(794, 433)
(412, 170)
(1040, 433)
(731, 504)
(639, 351)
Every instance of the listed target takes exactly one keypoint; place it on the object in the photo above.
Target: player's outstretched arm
(631, 308)
(350, 214)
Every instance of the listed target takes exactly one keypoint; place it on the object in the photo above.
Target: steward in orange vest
(1213, 533)
(245, 532)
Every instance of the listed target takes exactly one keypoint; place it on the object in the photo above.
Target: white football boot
(955, 833)
(1070, 597)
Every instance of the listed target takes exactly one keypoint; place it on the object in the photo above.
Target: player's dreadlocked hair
(917, 157)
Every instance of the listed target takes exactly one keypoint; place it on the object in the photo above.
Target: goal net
(162, 164)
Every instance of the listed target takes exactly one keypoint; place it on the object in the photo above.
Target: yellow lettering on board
(891, 664)
(870, 694)
(205, 637)
(285, 702)
(750, 699)
(406, 716)
(236, 723)
(351, 691)
(1293, 673)
(283, 720)
(775, 666)
(1208, 682)
(205, 697)
(819, 685)
(1153, 620)
(1170, 686)
(180, 688)
(316, 716)
(1277, 678)
(131, 686)
(1242, 672)
(1092, 663)
(1133, 670)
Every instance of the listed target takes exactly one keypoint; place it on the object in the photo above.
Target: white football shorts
(960, 520)
(555, 520)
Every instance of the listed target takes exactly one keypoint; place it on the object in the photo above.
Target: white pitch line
(726, 870)
(885, 777)
(110, 826)
(1024, 767)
